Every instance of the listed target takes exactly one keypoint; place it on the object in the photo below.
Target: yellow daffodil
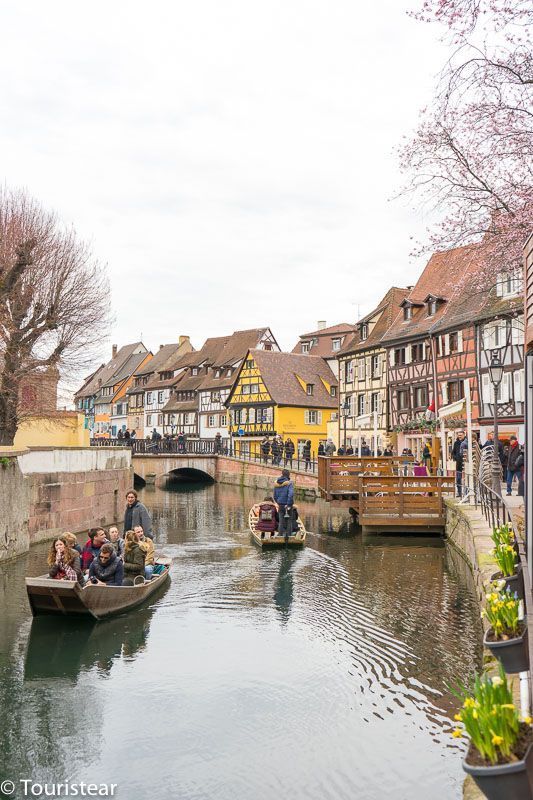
(497, 740)
(469, 702)
(508, 705)
(457, 734)
(528, 720)
(496, 681)
(458, 718)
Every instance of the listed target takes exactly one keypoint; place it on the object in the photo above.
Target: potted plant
(504, 534)
(510, 568)
(506, 637)
(500, 755)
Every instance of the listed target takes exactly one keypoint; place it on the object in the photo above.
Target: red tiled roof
(387, 310)
(443, 276)
(324, 340)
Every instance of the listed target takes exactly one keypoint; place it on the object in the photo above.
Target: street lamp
(496, 376)
(345, 413)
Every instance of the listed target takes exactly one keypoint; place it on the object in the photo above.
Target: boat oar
(287, 517)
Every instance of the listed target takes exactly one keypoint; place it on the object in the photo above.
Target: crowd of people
(108, 558)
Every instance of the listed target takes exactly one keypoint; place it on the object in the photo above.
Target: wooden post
(400, 504)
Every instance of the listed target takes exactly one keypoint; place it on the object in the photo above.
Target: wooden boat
(49, 596)
(268, 539)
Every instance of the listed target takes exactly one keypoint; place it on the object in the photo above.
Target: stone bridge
(155, 468)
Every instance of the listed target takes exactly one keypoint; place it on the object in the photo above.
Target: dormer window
(336, 344)
(310, 388)
(194, 371)
(305, 347)
(218, 373)
(407, 313)
(364, 332)
(228, 373)
(432, 308)
(509, 284)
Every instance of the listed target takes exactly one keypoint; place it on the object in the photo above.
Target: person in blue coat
(284, 497)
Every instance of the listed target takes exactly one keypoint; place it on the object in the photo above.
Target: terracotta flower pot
(513, 781)
(512, 653)
(514, 582)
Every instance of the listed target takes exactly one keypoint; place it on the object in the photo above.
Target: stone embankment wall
(261, 476)
(468, 531)
(46, 491)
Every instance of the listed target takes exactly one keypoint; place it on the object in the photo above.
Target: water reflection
(255, 674)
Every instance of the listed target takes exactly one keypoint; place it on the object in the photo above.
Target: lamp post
(345, 413)
(496, 376)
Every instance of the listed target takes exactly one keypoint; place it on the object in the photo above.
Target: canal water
(316, 674)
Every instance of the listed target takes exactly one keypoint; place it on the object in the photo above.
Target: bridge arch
(138, 481)
(189, 474)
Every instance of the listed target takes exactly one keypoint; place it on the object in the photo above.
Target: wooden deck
(382, 497)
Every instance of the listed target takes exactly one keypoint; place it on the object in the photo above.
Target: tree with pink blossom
(471, 158)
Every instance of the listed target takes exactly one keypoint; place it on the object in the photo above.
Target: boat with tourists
(69, 598)
(266, 538)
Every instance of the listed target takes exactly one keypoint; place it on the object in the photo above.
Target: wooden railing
(339, 476)
(390, 501)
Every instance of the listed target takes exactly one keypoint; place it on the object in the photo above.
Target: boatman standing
(137, 514)
(284, 497)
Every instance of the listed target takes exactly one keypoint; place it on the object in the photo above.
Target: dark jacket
(265, 448)
(458, 453)
(306, 452)
(512, 458)
(112, 574)
(284, 492)
(134, 561)
(89, 553)
(289, 448)
(137, 514)
(320, 449)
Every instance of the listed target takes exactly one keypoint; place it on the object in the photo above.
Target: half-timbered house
(363, 377)
(326, 342)
(413, 350)
(180, 412)
(221, 375)
(282, 393)
(150, 388)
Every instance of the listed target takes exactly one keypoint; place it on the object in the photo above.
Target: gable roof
(104, 375)
(324, 340)
(443, 276)
(387, 310)
(158, 360)
(232, 354)
(126, 371)
(279, 371)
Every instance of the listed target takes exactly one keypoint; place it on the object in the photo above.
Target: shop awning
(451, 409)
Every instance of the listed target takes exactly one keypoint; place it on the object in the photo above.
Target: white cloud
(232, 162)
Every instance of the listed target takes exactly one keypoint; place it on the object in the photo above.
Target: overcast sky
(232, 161)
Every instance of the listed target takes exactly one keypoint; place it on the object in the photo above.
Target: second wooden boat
(68, 598)
(273, 539)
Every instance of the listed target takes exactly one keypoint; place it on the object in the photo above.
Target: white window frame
(313, 416)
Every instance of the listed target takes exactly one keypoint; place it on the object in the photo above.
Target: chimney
(114, 350)
(321, 324)
(161, 346)
(182, 340)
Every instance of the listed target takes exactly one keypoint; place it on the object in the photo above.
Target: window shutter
(487, 395)
(307, 417)
(319, 417)
(446, 344)
(408, 354)
(517, 333)
(505, 386)
(445, 394)
(459, 341)
(391, 358)
(518, 377)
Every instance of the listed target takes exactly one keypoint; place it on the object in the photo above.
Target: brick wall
(261, 476)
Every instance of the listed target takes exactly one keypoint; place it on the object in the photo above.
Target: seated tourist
(92, 547)
(63, 562)
(106, 568)
(116, 540)
(134, 558)
(267, 515)
(73, 543)
(147, 546)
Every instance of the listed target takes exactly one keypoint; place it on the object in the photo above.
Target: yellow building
(284, 394)
(57, 429)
